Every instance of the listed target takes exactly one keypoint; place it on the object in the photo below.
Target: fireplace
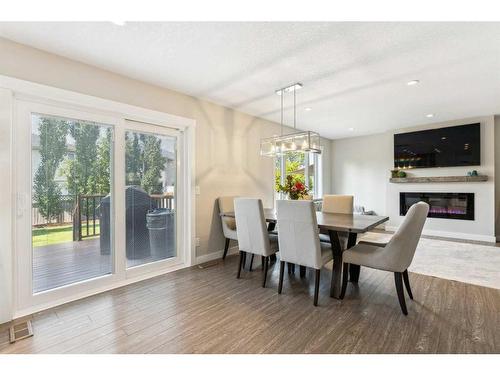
(442, 205)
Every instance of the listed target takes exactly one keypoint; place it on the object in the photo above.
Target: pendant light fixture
(304, 141)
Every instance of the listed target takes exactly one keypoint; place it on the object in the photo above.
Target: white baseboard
(215, 255)
(454, 235)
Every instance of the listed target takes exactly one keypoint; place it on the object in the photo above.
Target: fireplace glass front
(458, 206)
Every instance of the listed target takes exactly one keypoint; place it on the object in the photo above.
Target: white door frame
(73, 104)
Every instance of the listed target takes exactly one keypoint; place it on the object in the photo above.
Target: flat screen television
(444, 147)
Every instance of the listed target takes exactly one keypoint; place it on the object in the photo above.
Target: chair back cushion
(401, 248)
(298, 233)
(226, 204)
(251, 226)
(338, 204)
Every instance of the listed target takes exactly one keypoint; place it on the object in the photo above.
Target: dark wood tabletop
(338, 222)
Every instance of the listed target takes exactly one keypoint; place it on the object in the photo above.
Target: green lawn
(54, 235)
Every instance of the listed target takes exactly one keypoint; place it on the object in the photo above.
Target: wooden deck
(67, 263)
(209, 311)
(63, 264)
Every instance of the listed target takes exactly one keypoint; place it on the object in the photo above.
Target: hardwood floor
(209, 311)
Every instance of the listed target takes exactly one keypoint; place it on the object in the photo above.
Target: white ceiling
(354, 74)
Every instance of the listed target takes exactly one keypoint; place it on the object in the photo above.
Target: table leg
(270, 228)
(302, 271)
(336, 285)
(354, 269)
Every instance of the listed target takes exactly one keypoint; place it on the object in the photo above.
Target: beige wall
(227, 141)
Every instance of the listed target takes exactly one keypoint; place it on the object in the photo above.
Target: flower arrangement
(294, 188)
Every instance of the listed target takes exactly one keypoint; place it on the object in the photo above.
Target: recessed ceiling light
(429, 115)
(308, 109)
(413, 82)
(351, 129)
(118, 23)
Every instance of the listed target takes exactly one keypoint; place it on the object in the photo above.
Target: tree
(133, 159)
(99, 180)
(144, 161)
(153, 164)
(47, 193)
(81, 169)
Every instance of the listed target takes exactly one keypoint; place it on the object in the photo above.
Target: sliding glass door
(71, 179)
(99, 200)
(150, 196)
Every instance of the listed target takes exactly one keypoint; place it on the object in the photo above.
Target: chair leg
(293, 268)
(316, 287)
(242, 255)
(406, 279)
(282, 271)
(398, 278)
(244, 260)
(251, 262)
(289, 267)
(226, 248)
(302, 271)
(264, 277)
(345, 278)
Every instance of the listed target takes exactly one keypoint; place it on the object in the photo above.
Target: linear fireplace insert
(442, 205)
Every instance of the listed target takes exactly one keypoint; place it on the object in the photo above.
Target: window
(71, 178)
(303, 167)
(150, 179)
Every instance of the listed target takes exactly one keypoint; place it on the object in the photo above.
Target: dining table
(334, 224)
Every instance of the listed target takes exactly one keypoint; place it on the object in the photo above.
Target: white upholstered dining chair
(226, 204)
(396, 256)
(298, 239)
(337, 204)
(253, 236)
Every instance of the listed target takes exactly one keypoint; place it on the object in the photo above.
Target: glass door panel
(150, 197)
(71, 174)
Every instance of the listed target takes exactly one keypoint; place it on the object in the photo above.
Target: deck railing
(87, 213)
(165, 200)
(86, 216)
